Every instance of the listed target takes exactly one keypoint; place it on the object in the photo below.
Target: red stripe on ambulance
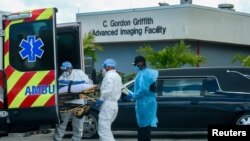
(19, 86)
(7, 23)
(35, 14)
(9, 71)
(6, 47)
(51, 102)
(47, 80)
(1, 105)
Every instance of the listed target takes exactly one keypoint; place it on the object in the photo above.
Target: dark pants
(144, 133)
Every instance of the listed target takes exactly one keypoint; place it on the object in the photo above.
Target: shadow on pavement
(157, 135)
(163, 135)
(193, 136)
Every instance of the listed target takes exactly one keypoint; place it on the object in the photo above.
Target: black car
(190, 99)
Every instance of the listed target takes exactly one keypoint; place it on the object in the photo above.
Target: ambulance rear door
(29, 64)
(69, 44)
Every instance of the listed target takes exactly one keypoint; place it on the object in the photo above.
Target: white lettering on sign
(132, 27)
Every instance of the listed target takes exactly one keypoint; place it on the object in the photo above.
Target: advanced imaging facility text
(136, 26)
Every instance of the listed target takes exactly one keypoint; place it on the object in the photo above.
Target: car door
(30, 66)
(180, 103)
(126, 118)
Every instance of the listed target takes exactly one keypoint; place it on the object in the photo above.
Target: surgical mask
(136, 68)
(66, 73)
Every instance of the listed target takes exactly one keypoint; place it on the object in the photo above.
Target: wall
(220, 34)
(168, 23)
(217, 54)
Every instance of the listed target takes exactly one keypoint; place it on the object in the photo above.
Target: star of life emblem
(31, 48)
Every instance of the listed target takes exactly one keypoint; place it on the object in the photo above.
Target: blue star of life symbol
(31, 48)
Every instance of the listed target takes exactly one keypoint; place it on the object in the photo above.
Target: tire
(243, 119)
(90, 125)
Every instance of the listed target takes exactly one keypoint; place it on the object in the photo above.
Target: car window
(180, 87)
(210, 85)
(131, 87)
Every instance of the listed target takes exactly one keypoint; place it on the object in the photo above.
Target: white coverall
(110, 94)
(77, 77)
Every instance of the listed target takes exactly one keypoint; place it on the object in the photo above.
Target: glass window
(181, 87)
(31, 46)
(210, 85)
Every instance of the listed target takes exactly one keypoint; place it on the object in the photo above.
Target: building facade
(217, 34)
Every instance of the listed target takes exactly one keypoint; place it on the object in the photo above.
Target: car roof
(229, 78)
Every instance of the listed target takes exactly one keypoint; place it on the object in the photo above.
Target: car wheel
(243, 119)
(90, 125)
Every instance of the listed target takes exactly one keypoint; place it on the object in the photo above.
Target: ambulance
(33, 47)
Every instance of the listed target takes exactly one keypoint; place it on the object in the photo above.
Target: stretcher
(76, 102)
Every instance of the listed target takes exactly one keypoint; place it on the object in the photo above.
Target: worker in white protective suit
(110, 94)
(144, 94)
(71, 77)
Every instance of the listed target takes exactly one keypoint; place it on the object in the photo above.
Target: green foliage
(90, 47)
(170, 57)
(128, 77)
(243, 59)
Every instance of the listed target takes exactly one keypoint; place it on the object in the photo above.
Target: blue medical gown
(146, 105)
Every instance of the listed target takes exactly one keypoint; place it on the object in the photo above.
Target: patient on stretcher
(74, 81)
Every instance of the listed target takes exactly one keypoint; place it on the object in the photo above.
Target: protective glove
(98, 103)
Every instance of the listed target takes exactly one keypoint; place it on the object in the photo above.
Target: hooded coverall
(77, 77)
(110, 94)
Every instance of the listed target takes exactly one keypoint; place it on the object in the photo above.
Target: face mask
(136, 68)
(66, 73)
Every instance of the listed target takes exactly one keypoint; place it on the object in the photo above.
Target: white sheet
(76, 88)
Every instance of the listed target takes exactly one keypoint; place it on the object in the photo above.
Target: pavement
(119, 136)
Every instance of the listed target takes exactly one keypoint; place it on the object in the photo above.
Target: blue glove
(98, 103)
(128, 97)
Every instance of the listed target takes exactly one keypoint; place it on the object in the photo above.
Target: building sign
(135, 27)
(128, 25)
(166, 23)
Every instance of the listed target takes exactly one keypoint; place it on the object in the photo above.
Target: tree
(171, 57)
(90, 47)
(243, 59)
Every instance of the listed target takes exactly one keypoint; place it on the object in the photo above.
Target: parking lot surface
(119, 136)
